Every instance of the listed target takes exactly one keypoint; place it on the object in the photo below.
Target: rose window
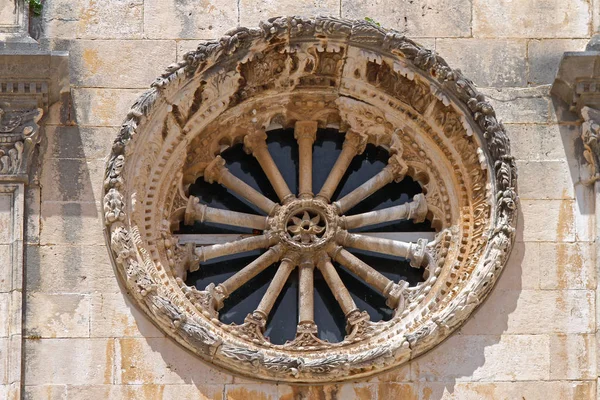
(313, 199)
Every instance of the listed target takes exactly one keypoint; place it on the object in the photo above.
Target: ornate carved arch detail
(376, 87)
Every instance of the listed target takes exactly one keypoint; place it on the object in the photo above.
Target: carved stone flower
(306, 229)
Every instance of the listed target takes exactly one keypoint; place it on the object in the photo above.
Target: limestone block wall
(534, 338)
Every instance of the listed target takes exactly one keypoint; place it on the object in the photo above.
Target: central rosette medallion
(305, 224)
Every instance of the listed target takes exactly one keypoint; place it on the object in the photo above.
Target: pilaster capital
(306, 130)
(215, 170)
(255, 141)
(397, 167)
(356, 140)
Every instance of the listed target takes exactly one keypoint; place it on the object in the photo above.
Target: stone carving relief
(377, 88)
(590, 132)
(19, 133)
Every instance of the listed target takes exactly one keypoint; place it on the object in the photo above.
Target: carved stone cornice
(576, 91)
(30, 82)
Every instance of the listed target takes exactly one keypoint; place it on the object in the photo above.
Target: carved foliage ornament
(19, 133)
(377, 88)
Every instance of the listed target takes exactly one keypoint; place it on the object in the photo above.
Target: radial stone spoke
(416, 211)
(392, 291)
(224, 290)
(203, 213)
(354, 144)
(239, 246)
(305, 133)
(395, 170)
(276, 286)
(217, 172)
(255, 143)
(337, 287)
(415, 252)
(306, 296)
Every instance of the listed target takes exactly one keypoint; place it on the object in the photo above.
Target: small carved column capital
(215, 170)
(355, 140)
(306, 130)
(19, 134)
(397, 167)
(255, 142)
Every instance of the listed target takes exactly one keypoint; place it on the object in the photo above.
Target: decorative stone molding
(31, 84)
(377, 88)
(576, 89)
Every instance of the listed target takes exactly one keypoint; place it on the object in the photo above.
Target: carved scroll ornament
(377, 88)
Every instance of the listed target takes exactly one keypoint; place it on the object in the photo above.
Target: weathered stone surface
(485, 358)
(57, 315)
(5, 299)
(72, 223)
(543, 142)
(565, 390)
(350, 391)
(4, 356)
(448, 18)
(89, 270)
(520, 105)
(251, 391)
(146, 392)
(32, 214)
(572, 357)
(72, 180)
(175, 19)
(393, 390)
(90, 361)
(544, 57)
(93, 19)
(546, 180)
(102, 107)
(567, 266)
(89, 143)
(488, 62)
(534, 312)
(162, 361)
(522, 270)
(6, 207)
(113, 315)
(45, 392)
(547, 220)
(5, 273)
(252, 12)
(135, 65)
(550, 19)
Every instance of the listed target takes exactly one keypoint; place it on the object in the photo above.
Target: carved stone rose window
(326, 161)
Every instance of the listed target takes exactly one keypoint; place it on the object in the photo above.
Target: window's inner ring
(309, 225)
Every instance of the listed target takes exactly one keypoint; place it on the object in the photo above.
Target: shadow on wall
(569, 126)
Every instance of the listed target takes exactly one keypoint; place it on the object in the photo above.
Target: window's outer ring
(140, 167)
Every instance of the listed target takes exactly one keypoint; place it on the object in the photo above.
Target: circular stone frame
(377, 86)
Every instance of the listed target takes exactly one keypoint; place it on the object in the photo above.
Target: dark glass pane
(284, 151)
(281, 326)
(329, 317)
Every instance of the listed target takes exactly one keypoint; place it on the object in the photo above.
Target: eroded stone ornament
(377, 88)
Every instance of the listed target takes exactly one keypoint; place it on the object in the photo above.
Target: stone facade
(533, 338)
